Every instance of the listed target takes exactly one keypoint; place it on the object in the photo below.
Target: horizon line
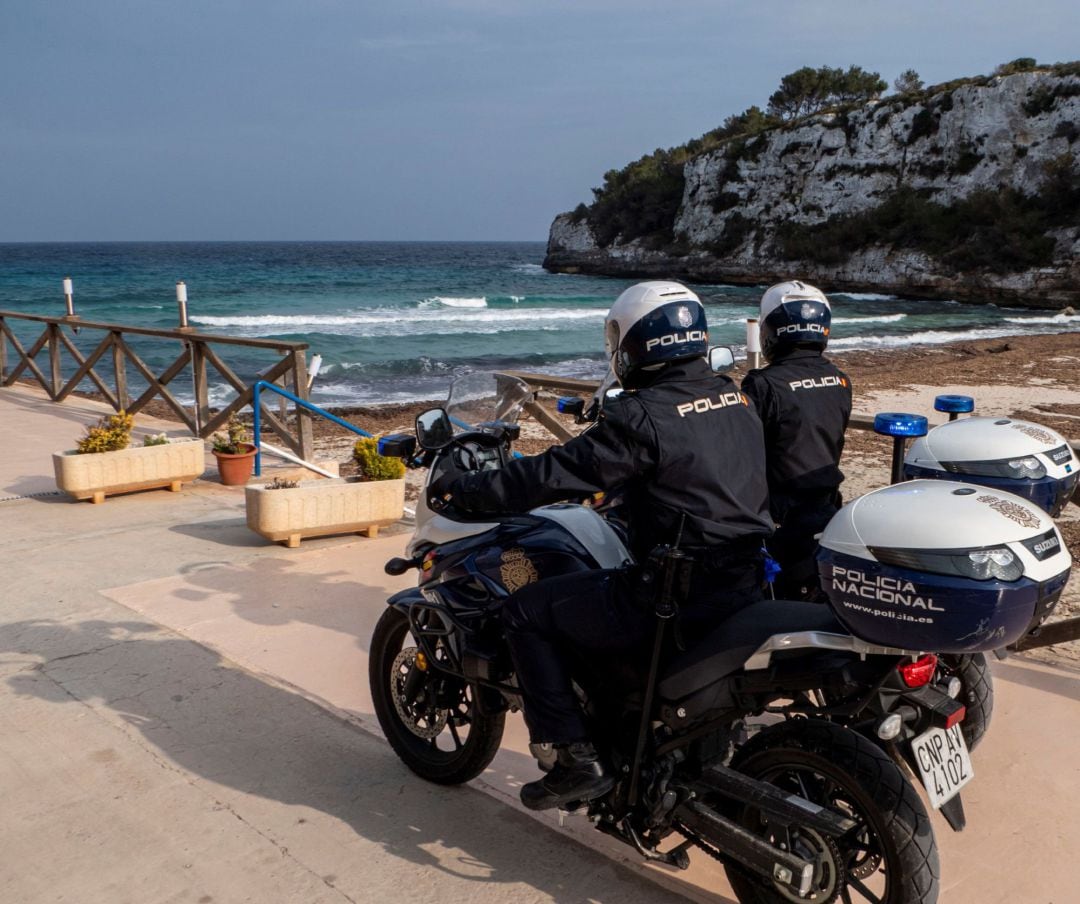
(272, 241)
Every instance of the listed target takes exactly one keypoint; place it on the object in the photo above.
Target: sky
(129, 120)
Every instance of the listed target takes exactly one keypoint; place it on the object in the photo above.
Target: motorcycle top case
(942, 567)
(1018, 457)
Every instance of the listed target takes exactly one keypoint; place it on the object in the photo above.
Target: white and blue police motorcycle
(774, 744)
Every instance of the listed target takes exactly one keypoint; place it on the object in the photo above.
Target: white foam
(517, 298)
(866, 296)
(398, 316)
(452, 302)
(923, 337)
(528, 268)
(884, 318)
(1056, 318)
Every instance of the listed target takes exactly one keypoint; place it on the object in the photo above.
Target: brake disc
(425, 723)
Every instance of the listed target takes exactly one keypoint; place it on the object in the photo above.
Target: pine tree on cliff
(807, 90)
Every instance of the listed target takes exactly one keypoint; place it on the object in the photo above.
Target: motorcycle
(773, 745)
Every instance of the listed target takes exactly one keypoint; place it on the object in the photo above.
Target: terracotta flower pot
(236, 470)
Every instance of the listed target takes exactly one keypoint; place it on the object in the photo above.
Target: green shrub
(725, 200)
(235, 440)
(1001, 231)
(923, 124)
(372, 465)
(967, 161)
(156, 439)
(282, 483)
(110, 434)
(736, 231)
(1020, 64)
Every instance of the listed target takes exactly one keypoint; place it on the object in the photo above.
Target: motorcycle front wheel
(430, 718)
(889, 858)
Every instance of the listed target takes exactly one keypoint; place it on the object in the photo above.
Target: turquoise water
(394, 321)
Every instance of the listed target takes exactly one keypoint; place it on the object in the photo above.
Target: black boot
(578, 775)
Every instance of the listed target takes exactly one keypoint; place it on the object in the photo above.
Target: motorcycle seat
(724, 649)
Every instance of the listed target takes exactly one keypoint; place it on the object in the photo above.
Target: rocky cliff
(968, 191)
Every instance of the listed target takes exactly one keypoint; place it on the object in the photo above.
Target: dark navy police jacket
(804, 401)
(689, 442)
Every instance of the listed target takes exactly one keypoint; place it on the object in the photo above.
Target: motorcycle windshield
(478, 398)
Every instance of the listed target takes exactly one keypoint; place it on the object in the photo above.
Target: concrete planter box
(95, 475)
(317, 508)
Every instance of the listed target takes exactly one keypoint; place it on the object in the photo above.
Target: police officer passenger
(686, 449)
(804, 401)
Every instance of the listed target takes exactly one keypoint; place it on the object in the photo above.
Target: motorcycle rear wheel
(977, 692)
(891, 858)
(428, 739)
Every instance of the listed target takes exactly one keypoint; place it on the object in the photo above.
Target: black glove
(440, 492)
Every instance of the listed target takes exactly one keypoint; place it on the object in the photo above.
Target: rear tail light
(955, 718)
(920, 672)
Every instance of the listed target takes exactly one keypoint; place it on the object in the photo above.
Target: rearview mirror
(721, 359)
(433, 429)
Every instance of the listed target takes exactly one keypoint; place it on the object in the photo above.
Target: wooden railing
(588, 387)
(197, 355)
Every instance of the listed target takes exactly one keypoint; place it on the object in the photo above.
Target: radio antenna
(678, 536)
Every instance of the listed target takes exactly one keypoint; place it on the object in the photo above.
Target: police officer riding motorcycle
(804, 402)
(685, 447)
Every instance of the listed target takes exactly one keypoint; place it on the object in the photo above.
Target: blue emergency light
(899, 426)
(954, 405)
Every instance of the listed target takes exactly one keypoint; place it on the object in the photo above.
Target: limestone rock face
(995, 134)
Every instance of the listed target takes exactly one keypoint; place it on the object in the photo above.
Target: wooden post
(199, 385)
(554, 427)
(3, 353)
(305, 438)
(55, 377)
(119, 370)
(753, 344)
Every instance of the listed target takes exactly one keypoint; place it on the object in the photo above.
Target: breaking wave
(452, 302)
(884, 318)
(923, 337)
(1056, 318)
(509, 318)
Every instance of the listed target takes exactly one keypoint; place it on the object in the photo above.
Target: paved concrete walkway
(184, 716)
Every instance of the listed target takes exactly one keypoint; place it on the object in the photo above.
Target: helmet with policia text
(651, 325)
(793, 315)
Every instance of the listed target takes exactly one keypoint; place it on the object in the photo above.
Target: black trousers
(552, 623)
(794, 547)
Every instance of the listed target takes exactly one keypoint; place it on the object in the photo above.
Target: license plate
(943, 759)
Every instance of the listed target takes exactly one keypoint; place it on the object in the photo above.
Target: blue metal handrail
(314, 409)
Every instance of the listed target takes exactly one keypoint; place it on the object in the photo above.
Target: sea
(396, 321)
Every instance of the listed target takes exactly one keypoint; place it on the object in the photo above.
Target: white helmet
(652, 324)
(793, 314)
